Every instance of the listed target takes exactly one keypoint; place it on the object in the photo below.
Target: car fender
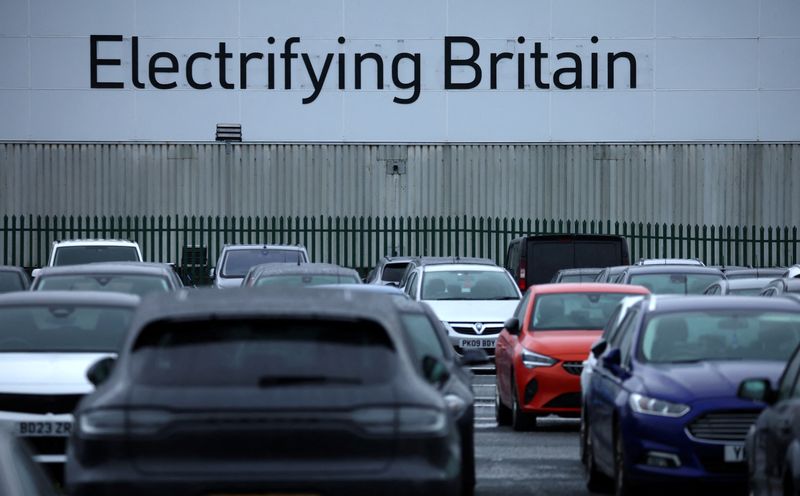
(791, 466)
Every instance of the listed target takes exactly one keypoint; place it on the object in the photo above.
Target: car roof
(108, 268)
(92, 241)
(747, 283)
(588, 287)
(762, 273)
(709, 302)
(571, 236)
(670, 261)
(95, 298)
(462, 266)
(365, 288)
(452, 260)
(583, 270)
(388, 260)
(303, 268)
(12, 268)
(672, 269)
(262, 246)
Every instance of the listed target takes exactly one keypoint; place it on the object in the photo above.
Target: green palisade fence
(359, 241)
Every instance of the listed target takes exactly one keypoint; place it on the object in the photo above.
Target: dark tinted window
(263, 353)
(570, 311)
(122, 283)
(789, 378)
(10, 281)
(63, 328)
(77, 255)
(238, 262)
(394, 272)
(297, 280)
(423, 337)
(675, 283)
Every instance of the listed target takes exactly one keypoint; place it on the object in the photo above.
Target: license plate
(39, 429)
(734, 454)
(476, 343)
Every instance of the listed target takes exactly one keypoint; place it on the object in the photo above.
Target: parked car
(236, 260)
(389, 270)
(264, 392)
(137, 278)
(291, 275)
(19, 474)
(749, 273)
(472, 301)
(792, 272)
(662, 409)
(609, 274)
(773, 443)
(357, 289)
(576, 275)
(671, 279)
(671, 261)
(535, 259)
(13, 279)
(48, 339)
(737, 286)
(417, 262)
(85, 251)
(540, 352)
(781, 287)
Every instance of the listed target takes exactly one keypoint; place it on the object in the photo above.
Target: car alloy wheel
(622, 484)
(596, 481)
(502, 414)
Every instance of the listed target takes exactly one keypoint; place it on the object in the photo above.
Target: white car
(235, 261)
(84, 251)
(473, 301)
(48, 341)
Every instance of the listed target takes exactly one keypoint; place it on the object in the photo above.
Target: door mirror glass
(756, 390)
(100, 371)
(512, 326)
(599, 347)
(613, 360)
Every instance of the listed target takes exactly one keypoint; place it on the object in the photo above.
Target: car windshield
(566, 278)
(468, 285)
(296, 280)
(63, 328)
(720, 335)
(675, 283)
(394, 272)
(120, 283)
(263, 353)
(10, 281)
(79, 255)
(238, 262)
(571, 311)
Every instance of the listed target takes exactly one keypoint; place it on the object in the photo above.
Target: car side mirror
(599, 347)
(99, 372)
(434, 370)
(512, 326)
(473, 357)
(392, 284)
(757, 390)
(613, 361)
(35, 273)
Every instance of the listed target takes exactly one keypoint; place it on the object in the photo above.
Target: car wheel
(622, 483)
(468, 478)
(520, 421)
(502, 413)
(596, 481)
(789, 488)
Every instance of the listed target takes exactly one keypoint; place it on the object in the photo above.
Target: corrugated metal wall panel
(723, 184)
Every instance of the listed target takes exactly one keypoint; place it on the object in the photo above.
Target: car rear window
(394, 272)
(297, 280)
(78, 255)
(675, 283)
(238, 262)
(574, 311)
(263, 353)
(63, 328)
(131, 284)
(720, 335)
(10, 281)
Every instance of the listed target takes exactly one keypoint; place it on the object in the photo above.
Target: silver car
(236, 260)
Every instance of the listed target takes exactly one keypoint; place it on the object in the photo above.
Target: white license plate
(39, 429)
(734, 454)
(476, 343)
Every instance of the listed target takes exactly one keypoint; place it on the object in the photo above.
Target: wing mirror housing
(435, 371)
(35, 273)
(512, 326)
(474, 357)
(100, 371)
(759, 390)
(212, 272)
(612, 361)
(599, 347)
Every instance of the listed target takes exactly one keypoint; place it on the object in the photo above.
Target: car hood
(705, 380)
(566, 345)
(474, 310)
(229, 282)
(47, 373)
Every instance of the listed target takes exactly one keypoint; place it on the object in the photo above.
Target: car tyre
(622, 483)
(596, 481)
(502, 413)
(520, 421)
(789, 488)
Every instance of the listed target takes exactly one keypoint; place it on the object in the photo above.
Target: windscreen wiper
(272, 381)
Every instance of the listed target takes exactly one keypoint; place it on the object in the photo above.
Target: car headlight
(651, 406)
(533, 360)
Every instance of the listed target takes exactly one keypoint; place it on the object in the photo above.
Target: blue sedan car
(662, 405)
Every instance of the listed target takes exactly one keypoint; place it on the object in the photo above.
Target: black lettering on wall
(576, 71)
(317, 81)
(95, 62)
(223, 55)
(190, 70)
(135, 63)
(244, 58)
(595, 39)
(449, 63)
(358, 61)
(537, 57)
(415, 83)
(493, 61)
(612, 59)
(154, 70)
(287, 57)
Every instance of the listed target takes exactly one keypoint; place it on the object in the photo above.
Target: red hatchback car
(540, 353)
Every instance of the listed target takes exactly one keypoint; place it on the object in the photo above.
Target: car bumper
(462, 342)
(46, 448)
(549, 390)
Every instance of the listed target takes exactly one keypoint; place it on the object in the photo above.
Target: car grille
(49, 445)
(568, 400)
(489, 351)
(723, 426)
(574, 368)
(718, 466)
(39, 403)
(468, 328)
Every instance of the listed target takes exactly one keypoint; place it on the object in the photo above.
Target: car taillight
(523, 280)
